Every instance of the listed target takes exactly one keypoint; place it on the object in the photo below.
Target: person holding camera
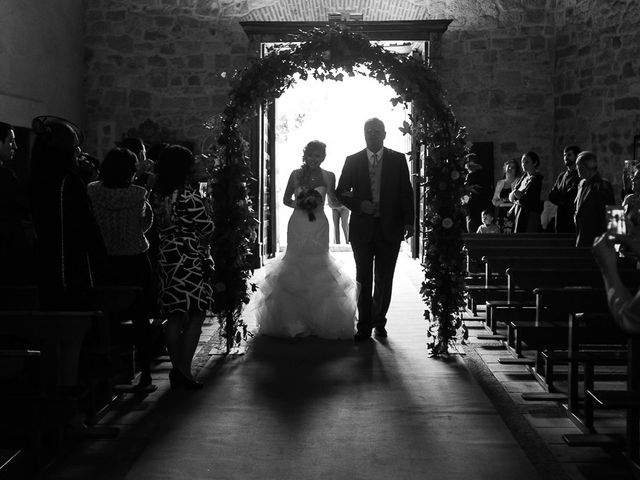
(624, 307)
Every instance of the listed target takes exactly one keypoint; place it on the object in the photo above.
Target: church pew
(479, 294)
(595, 301)
(549, 331)
(591, 342)
(475, 252)
(523, 240)
(517, 236)
(47, 404)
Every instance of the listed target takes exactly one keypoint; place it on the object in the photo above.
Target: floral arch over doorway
(439, 141)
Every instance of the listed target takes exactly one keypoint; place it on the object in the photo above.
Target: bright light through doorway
(334, 113)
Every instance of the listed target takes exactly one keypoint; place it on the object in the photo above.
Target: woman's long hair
(173, 169)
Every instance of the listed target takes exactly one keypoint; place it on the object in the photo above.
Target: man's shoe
(381, 332)
(362, 336)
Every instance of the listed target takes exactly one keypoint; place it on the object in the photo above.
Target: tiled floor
(320, 409)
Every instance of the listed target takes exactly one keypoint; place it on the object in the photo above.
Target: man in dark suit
(375, 186)
(594, 194)
(563, 193)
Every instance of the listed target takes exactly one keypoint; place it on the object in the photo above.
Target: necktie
(374, 161)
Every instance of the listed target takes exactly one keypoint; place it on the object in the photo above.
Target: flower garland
(330, 53)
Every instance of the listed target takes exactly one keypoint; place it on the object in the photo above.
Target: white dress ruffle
(306, 291)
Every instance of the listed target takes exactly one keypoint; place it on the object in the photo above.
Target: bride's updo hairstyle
(312, 146)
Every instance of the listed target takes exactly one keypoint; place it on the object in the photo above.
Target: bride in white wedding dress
(307, 292)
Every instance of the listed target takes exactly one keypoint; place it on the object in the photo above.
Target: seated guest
(15, 246)
(512, 172)
(623, 305)
(525, 195)
(594, 194)
(69, 251)
(124, 215)
(487, 223)
(564, 190)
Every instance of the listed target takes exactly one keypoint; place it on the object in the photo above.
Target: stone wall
(155, 66)
(597, 80)
(529, 75)
(498, 68)
(162, 59)
(41, 60)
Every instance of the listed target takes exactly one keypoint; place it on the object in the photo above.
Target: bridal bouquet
(308, 200)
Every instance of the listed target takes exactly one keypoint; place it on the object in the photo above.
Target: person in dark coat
(69, 251)
(594, 194)
(525, 195)
(375, 185)
(564, 190)
(15, 244)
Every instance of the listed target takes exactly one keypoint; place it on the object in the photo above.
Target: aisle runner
(315, 409)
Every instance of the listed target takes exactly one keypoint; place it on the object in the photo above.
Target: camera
(616, 222)
(203, 189)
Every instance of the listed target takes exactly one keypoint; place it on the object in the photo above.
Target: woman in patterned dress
(184, 226)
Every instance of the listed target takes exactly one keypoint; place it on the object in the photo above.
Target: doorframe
(259, 33)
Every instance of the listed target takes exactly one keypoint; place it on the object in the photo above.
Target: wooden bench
(494, 249)
(479, 295)
(628, 399)
(590, 343)
(49, 403)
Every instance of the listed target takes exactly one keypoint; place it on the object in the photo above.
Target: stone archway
(329, 53)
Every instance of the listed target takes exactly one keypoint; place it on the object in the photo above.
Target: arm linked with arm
(345, 187)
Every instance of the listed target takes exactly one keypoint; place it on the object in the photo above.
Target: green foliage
(328, 54)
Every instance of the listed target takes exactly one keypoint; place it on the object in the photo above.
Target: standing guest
(475, 183)
(594, 194)
(375, 186)
(340, 215)
(88, 168)
(124, 215)
(563, 193)
(15, 246)
(69, 250)
(487, 223)
(631, 206)
(184, 228)
(512, 172)
(526, 195)
(628, 171)
(144, 166)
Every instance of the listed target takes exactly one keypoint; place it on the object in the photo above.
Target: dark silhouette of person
(375, 186)
(594, 194)
(564, 191)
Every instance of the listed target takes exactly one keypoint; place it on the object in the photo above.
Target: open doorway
(334, 113)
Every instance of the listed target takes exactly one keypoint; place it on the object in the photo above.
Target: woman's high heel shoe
(178, 380)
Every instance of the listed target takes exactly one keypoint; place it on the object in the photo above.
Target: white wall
(41, 60)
